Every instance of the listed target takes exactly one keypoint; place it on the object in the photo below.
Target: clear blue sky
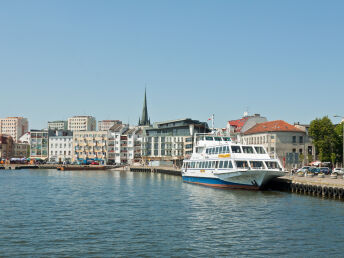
(282, 59)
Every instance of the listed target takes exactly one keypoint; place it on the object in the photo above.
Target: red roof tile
(238, 124)
(273, 126)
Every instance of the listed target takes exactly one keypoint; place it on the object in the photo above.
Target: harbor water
(49, 213)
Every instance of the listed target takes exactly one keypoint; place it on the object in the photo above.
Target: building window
(294, 150)
(294, 139)
(301, 139)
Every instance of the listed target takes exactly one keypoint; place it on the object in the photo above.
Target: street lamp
(342, 117)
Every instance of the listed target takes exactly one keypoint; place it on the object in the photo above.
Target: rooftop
(273, 126)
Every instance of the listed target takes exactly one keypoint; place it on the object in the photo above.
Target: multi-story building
(82, 123)
(134, 139)
(90, 145)
(170, 140)
(117, 144)
(124, 144)
(282, 140)
(58, 125)
(14, 126)
(21, 150)
(105, 125)
(6, 146)
(61, 146)
(39, 144)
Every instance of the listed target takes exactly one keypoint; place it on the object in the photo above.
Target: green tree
(324, 137)
(333, 159)
(301, 159)
(339, 146)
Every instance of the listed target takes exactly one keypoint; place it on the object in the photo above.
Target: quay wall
(162, 170)
(328, 186)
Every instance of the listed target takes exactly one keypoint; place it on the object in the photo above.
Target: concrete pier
(316, 186)
(162, 170)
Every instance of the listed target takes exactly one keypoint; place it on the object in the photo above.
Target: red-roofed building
(240, 126)
(280, 138)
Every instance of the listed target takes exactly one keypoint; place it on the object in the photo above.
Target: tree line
(327, 139)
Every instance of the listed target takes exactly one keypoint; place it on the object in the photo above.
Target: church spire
(144, 119)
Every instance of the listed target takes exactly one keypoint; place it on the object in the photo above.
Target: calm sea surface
(47, 213)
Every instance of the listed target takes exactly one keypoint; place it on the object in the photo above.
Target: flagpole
(212, 122)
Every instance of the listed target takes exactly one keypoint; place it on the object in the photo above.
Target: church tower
(144, 118)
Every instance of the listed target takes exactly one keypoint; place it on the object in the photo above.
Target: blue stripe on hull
(215, 182)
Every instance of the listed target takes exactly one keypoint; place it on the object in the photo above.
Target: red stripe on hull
(247, 187)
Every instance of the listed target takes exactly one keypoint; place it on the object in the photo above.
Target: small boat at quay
(219, 162)
(81, 167)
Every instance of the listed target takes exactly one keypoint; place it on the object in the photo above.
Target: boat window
(207, 164)
(208, 138)
(257, 164)
(199, 149)
(236, 149)
(247, 149)
(224, 149)
(193, 164)
(230, 165)
(226, 139)
(221, 164)
(201, 138)
(241, 164)
(217, 139)
(218, 149)
(213, 164)
(272, 164)
(227, 149)
(207, 151)
(259, 150)
(212, 150)
(227, 164)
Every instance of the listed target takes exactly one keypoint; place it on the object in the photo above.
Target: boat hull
(250, 179)
(218, 183)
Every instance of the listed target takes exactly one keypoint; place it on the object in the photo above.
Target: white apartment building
(117, 144)
(14, 127)
(90, 145)
(60, 148)
(105, 125)
(82, 123)
(25, 138)
(58, 125)
(131, 153)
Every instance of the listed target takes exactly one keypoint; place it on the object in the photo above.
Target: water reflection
(102, 213)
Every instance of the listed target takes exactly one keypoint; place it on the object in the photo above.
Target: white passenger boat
(217, 161)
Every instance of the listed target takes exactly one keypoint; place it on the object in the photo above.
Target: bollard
(324, 191)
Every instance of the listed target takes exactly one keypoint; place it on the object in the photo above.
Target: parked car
(95, 163)
(303, 169)
(339, 171)
(325, 170)
(314, 170)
